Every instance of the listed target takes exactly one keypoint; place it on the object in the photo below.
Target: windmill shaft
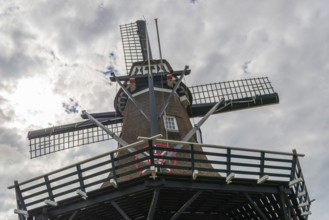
(153, 114)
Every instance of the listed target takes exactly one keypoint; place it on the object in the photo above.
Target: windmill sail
(238, 95)
(134, 42)
(50, 140)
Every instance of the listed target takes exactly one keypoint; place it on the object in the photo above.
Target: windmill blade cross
(50, 140)
(238, 94)
(134, 43)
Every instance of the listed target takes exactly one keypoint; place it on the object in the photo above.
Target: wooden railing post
(82, 185)
(192, 157)
(262, 164)
(19, 200)
(228, 162)
(50, 192)
(293, 165)
(114, 173)
(150, 142)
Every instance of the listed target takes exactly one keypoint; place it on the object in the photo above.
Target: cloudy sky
(51, 51)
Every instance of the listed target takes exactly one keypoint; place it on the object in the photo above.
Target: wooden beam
(153, 204)
(252, 202)
(118, 208)
(73, 215)
(186, 205)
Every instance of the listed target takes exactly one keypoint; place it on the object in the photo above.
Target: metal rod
(108, 131)
(153, 114)
(172, 92)
(131, 98)
(198, 125)
(122, 142)
(156, 25)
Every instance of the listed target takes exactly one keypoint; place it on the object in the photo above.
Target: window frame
(170, 126)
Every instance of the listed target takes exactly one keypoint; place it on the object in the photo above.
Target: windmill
(156, 140)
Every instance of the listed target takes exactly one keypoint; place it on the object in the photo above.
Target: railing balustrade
(90, 174)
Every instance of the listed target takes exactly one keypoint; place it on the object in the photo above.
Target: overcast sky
(50, 51)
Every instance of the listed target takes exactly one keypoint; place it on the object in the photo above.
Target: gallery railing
(159, 156)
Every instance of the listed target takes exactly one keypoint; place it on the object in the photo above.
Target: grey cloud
(6, 114)
(72, 26)
(16, 65)
(20, 58)
(11, 138)
(286, 41)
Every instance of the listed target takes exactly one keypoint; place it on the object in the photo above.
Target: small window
(170, 123)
